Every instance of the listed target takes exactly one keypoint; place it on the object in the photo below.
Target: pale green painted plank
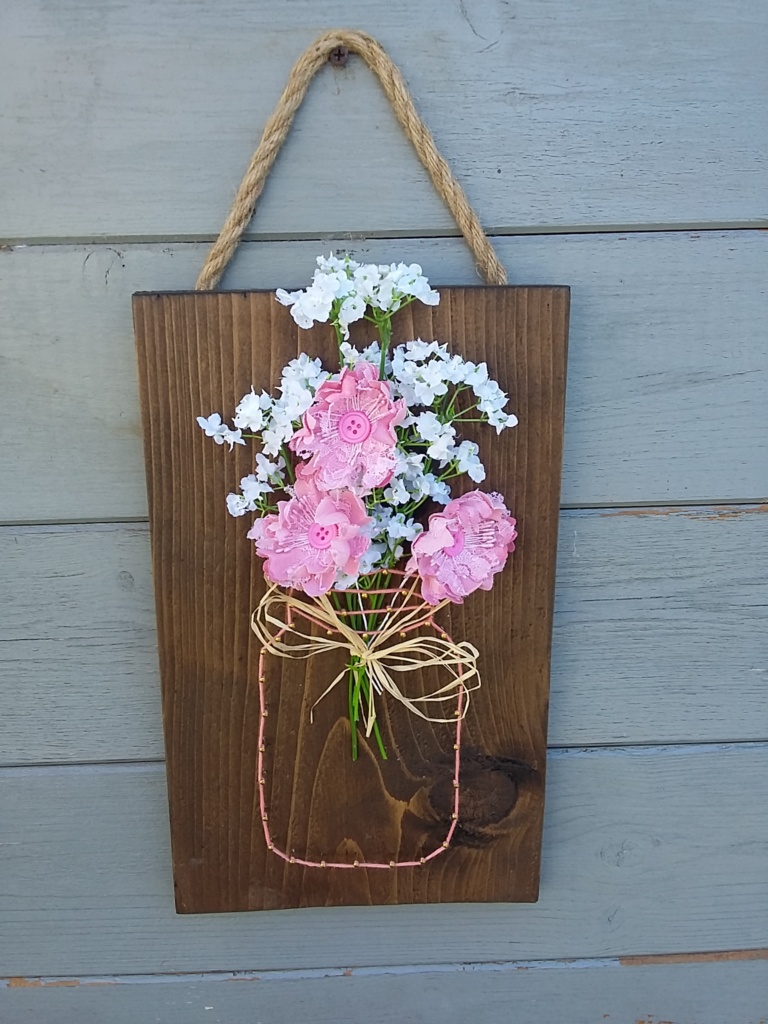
(659, 635)
(667, 387)
(139, 119)
(587, 992)
(653, 850)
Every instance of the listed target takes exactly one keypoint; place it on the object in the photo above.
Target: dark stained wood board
(199, 353)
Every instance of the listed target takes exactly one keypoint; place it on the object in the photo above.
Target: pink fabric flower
(349, 431)
(465, 545)
(312, 537)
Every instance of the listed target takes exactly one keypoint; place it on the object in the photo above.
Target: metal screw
(339, 56)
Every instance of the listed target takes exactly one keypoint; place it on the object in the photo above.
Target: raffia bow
(384, 651)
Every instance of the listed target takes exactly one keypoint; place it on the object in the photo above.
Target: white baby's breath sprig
(220, 432)
(344, 291)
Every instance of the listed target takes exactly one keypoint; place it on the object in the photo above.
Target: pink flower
(312, 537)
(349, 431)
(464, 546)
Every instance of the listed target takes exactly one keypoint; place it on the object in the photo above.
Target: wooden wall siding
(130, 125)
(707, 992)
(657, 849)
(659, 634)
(667, 381)
(138, 119)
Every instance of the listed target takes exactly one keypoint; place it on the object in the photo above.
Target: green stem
(339, 340)
(353, 731)
(358, 683)
(288, 466)
(385, 336)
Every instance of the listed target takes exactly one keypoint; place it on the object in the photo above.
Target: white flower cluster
(343, 289)
(411, 485)
(275, 421)
(256, 485)
(423, 371)
(371, 354)
(442, 392)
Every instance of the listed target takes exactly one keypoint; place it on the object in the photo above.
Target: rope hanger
(331, 45)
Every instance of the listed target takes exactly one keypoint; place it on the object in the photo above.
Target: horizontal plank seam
(742, 507)
(504, 231)
(156, 765)
(307, 974)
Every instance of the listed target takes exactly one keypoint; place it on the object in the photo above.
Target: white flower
(455, 370)
(409, 280)
(232, 437)
(468, 462)
(213, 427)
(333, 265)
(476, 376)
(238, 505)
(352, 308)
(367, 279)
(420, 350)
(344, 582)
(489, 391)
(287, 298)
(274, 438)
(442, 448)
(253, 488)
(400, 528)
(249, 414)
(371, 559)
(502, 420)
(429, 427)
(396, 492)
(308, 306)
(266, 470)
(420, 485)
(439, 491)
(305, 371)
(295, 401)
(430, 382)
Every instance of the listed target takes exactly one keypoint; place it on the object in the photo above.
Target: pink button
(458, 545)
(320, 536)
(354, 427)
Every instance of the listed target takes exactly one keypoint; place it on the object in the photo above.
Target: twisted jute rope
(279, 124)
(386, 650)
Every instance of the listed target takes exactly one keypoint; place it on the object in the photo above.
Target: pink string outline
(263, 714)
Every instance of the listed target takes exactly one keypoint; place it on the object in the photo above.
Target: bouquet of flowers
(351, 489)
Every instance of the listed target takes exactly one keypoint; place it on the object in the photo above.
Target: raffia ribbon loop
(391, 649)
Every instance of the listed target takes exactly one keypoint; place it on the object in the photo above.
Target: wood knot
(489, 788)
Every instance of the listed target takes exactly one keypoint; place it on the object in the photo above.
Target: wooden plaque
(199, 353)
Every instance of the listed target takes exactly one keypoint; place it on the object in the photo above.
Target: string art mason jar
(386, 633)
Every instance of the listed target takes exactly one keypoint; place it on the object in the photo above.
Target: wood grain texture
(658, 634)
(579, 992)
(667, 379)
(566, 113)
(203, 351)
(658, 850)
